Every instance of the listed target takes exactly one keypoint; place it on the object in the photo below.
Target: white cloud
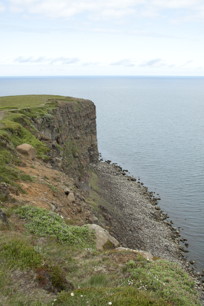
(45, 60)
(64, 61)
(123, 62)
(96, 8)
(25, 60)
(152, 62)
(176, 4)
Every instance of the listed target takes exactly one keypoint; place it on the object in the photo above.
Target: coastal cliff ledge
(54, 199)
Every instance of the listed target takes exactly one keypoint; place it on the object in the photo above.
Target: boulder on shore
(104, 240)
(27, 150)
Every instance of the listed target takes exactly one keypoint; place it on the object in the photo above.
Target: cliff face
(70, 132)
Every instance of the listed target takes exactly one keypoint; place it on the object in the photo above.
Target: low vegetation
(17, 252)
(45, 223)
(109, 296)
(83, 276)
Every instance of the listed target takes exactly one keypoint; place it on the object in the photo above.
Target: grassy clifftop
(29, 101)
(48, 256)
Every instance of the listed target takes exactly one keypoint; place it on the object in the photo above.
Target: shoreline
(133, 217)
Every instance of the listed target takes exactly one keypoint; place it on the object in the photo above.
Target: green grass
(18, 134)
(97, 280)
(100, 276)
(18, 253)
(8, 158)
(167, 279)
(45, 223)
(27, 101)
(123, 296)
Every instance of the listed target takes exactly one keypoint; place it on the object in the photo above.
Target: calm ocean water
(154, 127)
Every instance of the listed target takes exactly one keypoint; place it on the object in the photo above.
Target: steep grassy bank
(48, 255)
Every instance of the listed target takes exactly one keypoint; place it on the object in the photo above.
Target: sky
(101, 37)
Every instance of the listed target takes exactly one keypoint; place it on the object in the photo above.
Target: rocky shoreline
(133, 217)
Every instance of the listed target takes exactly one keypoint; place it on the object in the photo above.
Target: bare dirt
(48, 190)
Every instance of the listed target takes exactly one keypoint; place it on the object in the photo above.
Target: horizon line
(107, 76)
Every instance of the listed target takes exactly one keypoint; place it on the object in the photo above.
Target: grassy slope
(47, 262)
(16, 128)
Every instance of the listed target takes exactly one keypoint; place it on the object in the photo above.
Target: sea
(152, 126)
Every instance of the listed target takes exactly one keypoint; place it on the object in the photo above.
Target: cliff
(70, 133)
(51, 251)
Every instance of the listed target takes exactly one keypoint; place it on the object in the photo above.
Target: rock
(183, 250)
(3, 217)
(71, 197)
(146, 255)
(104, 240)
(76, 155)
(44, 137)
(4, 192)
(27, 150)
(67, 191)
(108, 161)
(95, 219)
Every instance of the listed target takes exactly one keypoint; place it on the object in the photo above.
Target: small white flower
(81, 295)
(109, 303)
(130, 282)
(72, 293)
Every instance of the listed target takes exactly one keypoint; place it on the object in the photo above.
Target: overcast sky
(101, 37)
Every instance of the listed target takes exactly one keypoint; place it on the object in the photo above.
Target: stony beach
(136, 220)
(134, 217)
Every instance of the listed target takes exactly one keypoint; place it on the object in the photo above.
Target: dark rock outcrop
(70, 132)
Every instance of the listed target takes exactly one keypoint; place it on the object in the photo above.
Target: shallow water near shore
(153, 127)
